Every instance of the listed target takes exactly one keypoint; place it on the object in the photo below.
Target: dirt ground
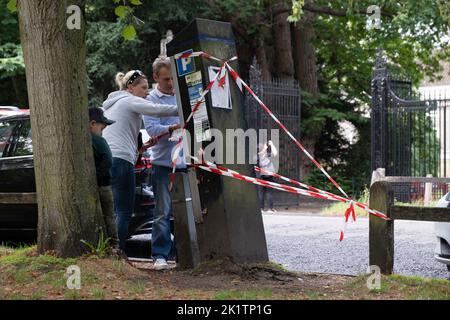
(26, 275)
(265, 280)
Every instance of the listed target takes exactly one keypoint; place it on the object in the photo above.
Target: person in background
(126, 107)
(103, 163)
(162, 162)
(266, 153)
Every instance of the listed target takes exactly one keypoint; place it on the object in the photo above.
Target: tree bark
(261, 58)
(305, 55)
(68, 202)
(306, 72)
(283, 44)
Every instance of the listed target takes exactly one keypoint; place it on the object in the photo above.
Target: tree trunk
(306, 72)
(305, 55)
(261, 58)
(283, 44)
(68, 202)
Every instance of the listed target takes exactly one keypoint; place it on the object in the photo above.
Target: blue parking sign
(185, 65)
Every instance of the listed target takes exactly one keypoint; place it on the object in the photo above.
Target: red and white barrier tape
(233, 174)
(210, 167)
(320, 194)
(349, 211)
(221, 77)
(239, 82)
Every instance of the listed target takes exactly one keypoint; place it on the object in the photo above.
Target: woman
(266, 152)
(126, 107)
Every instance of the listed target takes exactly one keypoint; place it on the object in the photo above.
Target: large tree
(69, 207)
(329, 47)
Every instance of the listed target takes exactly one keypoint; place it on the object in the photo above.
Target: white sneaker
(269, 211)
(160, 264)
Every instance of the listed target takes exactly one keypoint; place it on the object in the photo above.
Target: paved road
(311, 244)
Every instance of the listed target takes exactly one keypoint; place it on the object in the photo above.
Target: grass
(401, 287)
(416, 203)
(137, 287)
(338, 208)
(4, 250)
(26, 259)
(23, 265)
(38, 295)
(55, 279)
(26, 275)
(21, 276)
(98, 294)
(244, 295)
(72, 295)
(313, 296)
(102, 248)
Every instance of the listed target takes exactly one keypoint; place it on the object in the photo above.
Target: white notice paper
(220, 95)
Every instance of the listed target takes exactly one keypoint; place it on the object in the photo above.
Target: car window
(6, 129)
(24, 146)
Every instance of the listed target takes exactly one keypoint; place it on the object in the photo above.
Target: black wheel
(448, 267)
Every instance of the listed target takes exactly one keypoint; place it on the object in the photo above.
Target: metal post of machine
(231, 225)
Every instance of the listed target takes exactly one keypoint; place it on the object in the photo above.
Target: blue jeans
(123, 186)
(161, 237)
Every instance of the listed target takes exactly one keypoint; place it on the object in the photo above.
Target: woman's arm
(143, 106)
(273, 149)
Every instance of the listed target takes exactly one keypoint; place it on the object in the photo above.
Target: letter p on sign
(185, 65)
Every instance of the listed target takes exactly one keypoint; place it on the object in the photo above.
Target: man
(162, 162)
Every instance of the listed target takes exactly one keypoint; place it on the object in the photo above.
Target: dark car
(19, 221)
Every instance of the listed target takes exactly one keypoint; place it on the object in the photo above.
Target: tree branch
(339, 13)
(326, 10)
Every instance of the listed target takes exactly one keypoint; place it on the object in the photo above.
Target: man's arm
(154, 127)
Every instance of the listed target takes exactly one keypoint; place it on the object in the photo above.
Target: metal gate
(282, 96)
(409, 133)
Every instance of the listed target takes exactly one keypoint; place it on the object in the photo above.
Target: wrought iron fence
(410, 135)
(282, 96)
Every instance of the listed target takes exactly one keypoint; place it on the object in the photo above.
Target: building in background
(439, 90)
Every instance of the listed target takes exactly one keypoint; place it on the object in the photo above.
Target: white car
(442, 230)
(9, 111)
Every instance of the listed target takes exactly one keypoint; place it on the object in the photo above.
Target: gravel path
(311, 244)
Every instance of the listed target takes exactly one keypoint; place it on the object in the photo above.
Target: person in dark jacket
(103, 163)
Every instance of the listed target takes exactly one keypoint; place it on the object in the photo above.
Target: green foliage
(12, 71)
(425, 145)
(338, 208)
(297, 10)
(125, 34)
(11, 61)
(410, 34)
(25, 258)
(129, 32)
(12, 6)
(348, 162)
(102, 248)
(125, 13)
(108, 51)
